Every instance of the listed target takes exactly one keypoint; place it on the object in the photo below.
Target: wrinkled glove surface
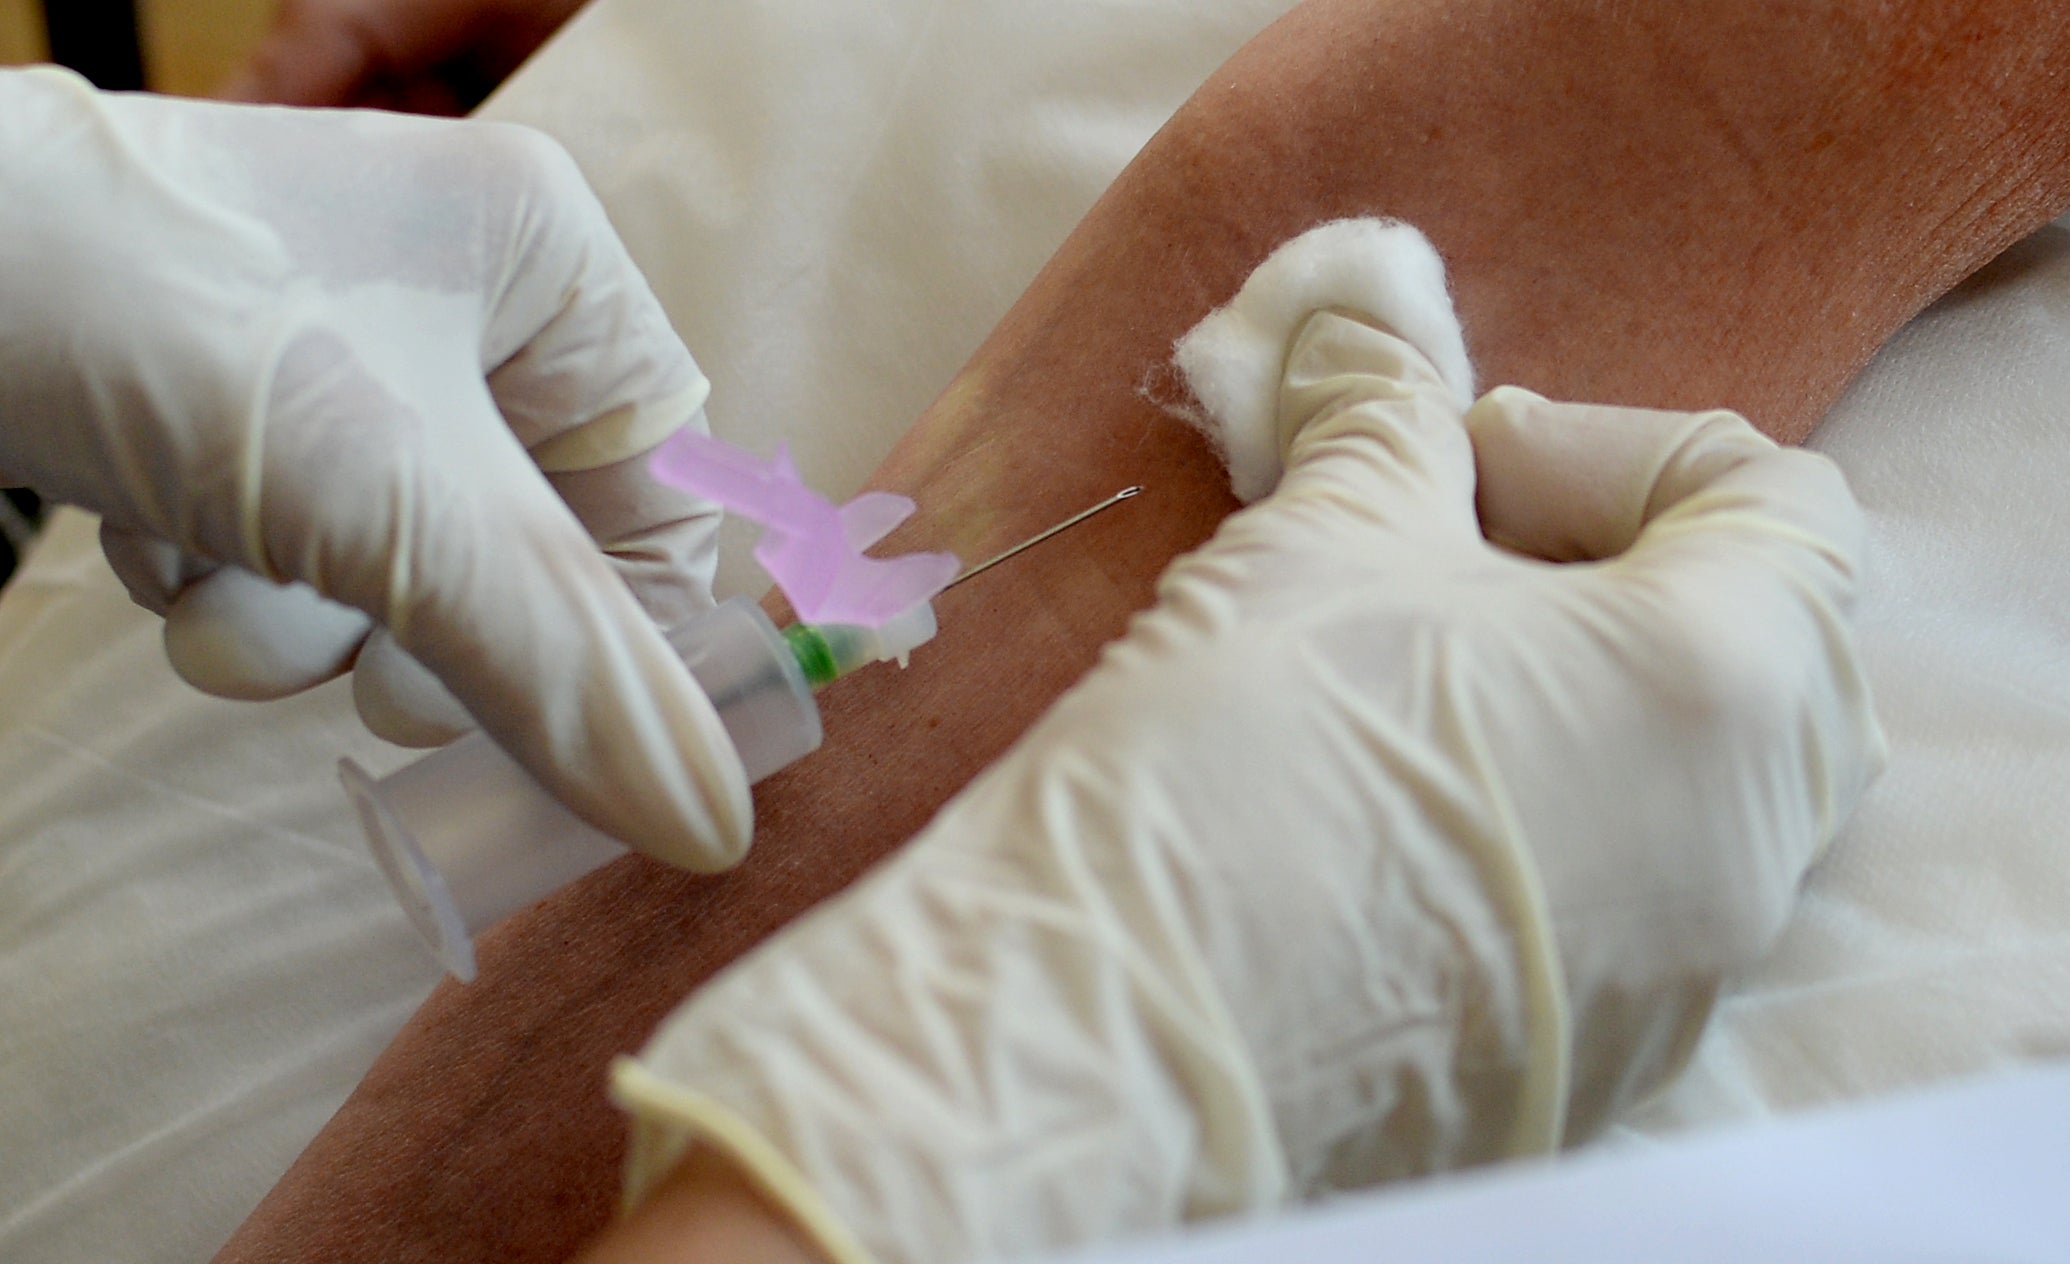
(1415, 826)
(404, 362)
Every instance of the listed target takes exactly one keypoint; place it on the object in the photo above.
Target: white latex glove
(384, 357)
(1373, 849)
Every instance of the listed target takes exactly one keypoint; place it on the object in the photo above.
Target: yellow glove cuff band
(620, 434)
(667, 1119)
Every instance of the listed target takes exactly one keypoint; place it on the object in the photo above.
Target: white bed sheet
(835, 202)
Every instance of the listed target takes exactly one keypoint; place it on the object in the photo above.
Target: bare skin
(1689, 205)
(704, 1211)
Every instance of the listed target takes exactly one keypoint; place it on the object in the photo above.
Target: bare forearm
(1681, 205)
(1710, 204)
(705, 1213)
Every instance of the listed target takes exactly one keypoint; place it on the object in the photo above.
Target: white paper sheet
(1961, 1175)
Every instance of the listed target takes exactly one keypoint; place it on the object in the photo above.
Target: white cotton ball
(1233, 359)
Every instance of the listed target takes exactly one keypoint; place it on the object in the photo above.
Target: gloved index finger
(463, 550)
(548, 649)
(580, 355)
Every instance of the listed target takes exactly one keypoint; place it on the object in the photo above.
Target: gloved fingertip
(614, 725)
(680, 790)
(528, 625)
(1803, 488)
(151, 569)
(697, 842)
(237, 635)
(684, 809)
(401, 701)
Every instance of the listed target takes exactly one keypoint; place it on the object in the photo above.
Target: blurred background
(183, 46)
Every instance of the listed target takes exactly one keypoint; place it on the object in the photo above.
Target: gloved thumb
(1366, 419)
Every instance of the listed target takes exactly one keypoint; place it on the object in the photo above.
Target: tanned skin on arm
(704, 1211)
(1691, 205)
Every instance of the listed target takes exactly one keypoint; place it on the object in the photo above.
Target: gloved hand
(1374, 848)
(384, 357)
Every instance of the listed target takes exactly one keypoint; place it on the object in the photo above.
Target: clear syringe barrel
(467, 837)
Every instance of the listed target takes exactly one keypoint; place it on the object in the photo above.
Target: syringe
(466, 837)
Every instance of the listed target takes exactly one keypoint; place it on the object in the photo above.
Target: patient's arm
(1675, 205)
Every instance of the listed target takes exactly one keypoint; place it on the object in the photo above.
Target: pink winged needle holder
(812, 548)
